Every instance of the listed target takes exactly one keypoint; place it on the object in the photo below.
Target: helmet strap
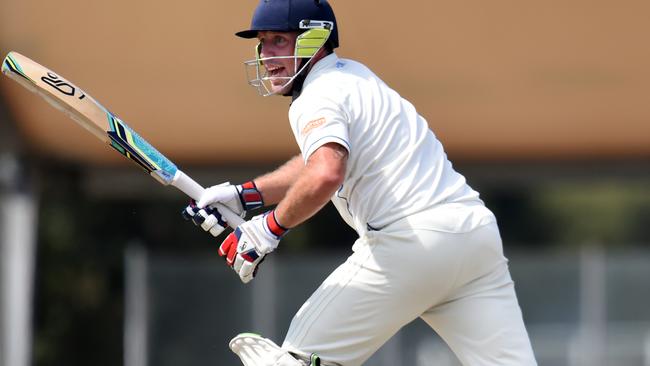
(296, 86)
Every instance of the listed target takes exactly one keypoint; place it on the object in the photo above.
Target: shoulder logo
(312, 125)
(340, 64)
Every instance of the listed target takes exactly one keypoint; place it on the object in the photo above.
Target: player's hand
(209, 219)
(246, 247)
(239, 198)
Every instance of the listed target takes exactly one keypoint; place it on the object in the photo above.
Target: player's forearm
(274, 185)
(317, 182)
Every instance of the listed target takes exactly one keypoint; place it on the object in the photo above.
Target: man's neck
(296, 86)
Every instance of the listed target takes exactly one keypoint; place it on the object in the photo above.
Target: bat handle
(191, 188)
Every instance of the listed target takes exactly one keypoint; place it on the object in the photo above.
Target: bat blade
(90, 114)
(106, 126)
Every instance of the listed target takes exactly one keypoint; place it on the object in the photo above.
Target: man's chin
(284, 90)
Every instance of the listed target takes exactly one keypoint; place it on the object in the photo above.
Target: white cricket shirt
(397, 169)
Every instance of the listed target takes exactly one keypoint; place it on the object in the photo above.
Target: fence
(586, 308)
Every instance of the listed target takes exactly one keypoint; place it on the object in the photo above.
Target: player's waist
(456, 217)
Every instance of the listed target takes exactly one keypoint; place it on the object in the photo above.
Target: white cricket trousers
(458, 283)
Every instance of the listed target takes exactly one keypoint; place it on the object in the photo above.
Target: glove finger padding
(228, 248)
(189, 211)
(246, 247)
(246, 264)
(209, 219)
(241, 254)
(214, 222)
(247, 272)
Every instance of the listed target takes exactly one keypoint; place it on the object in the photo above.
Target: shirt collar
(301, 81)
(322, 64)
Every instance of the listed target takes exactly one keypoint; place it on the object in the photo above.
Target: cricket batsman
(428, 247)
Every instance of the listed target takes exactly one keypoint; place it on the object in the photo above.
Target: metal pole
(646, 349)
(17, 248)
(136, 312)
(264, 303)
(593, 306)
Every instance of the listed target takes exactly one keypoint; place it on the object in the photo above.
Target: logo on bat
(61, 85)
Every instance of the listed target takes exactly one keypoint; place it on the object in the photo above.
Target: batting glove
(209, 219)
(246, 247)
(239, 198)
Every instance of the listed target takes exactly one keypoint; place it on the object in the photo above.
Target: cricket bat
(106, 126)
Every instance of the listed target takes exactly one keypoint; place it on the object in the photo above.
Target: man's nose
(267, 51)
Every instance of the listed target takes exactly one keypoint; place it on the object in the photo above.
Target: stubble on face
(279, 70)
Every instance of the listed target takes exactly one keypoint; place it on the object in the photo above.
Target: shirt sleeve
(318, 121)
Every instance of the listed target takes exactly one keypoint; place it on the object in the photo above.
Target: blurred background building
(543, 106)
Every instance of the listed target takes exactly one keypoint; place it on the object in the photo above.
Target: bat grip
(191, 188)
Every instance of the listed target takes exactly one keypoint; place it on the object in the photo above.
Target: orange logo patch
(312, 125)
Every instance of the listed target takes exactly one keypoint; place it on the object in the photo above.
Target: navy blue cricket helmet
(285, 16)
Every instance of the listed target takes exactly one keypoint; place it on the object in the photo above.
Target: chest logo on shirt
(312, 125)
